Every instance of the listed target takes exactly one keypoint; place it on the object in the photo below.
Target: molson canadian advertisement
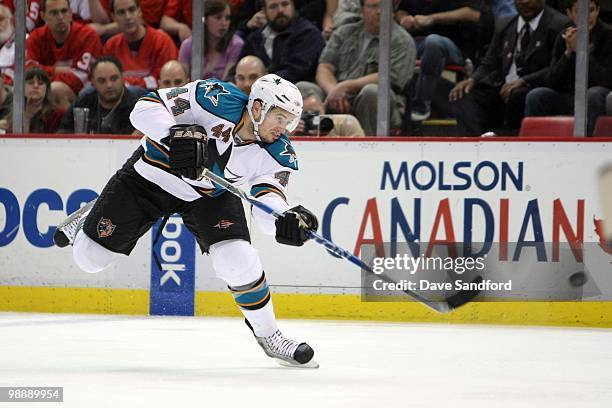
(523, 217)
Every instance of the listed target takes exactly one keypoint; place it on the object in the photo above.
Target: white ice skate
(66, 232)
(287, 352)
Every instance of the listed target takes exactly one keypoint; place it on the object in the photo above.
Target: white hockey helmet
(275, 92)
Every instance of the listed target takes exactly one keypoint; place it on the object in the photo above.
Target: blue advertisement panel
(173, 285)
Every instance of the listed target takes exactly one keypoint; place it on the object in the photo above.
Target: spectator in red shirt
(63, 48)
(40, 116)
(101, 13)
(33, 17)
(142, 50)
(177, 18)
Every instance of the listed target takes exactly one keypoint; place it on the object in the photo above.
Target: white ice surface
(118, 361)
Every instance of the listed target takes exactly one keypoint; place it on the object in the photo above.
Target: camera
(314, 121)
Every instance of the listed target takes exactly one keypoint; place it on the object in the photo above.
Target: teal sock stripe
(255, 297)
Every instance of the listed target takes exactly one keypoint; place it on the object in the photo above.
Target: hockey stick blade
(442, 306)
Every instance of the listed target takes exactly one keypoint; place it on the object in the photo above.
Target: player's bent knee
(236, 262)
(90, 256)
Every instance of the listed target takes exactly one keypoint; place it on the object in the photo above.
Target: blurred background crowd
(457, 67)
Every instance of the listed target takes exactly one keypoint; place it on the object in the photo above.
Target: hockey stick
(444, 306)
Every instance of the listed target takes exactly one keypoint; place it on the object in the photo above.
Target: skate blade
(60, 239)
(311, 364)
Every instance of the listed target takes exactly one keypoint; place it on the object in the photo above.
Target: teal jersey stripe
(218, 190)
(257, 190)
(262, 189)
(153, 95)
(282, 151)
(154, 153)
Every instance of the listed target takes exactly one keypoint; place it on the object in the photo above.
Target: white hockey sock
(262, 320)
(238, 264)
(90, 256)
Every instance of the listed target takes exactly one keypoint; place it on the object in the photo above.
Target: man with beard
(288, 44)
(7, 45)
(63, 48)
(142, 50)
(109, 104)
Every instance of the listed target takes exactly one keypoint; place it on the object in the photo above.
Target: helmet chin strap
(256, 132)
(256, 124)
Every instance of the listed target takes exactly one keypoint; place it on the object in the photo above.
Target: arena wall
(364, 191)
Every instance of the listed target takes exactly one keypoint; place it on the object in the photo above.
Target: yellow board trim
(350, 307)
(74, 300)
(336, 307)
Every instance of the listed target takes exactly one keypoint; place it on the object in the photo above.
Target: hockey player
(206, 124)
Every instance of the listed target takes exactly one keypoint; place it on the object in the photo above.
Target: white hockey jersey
(264, 168)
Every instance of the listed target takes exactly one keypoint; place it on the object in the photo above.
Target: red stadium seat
(547, 126)
(603, 126)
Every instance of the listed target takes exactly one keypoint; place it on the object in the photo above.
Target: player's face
(35, 90)
(108, 82)
(279, 13)
(371, 16)
(218, 24)
(275, 124)
(58, 16)
(127, 16)
(246, 74)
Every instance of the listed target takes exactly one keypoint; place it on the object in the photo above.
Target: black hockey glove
(188, 152)
(292, 226)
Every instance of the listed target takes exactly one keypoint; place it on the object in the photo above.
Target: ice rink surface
(118, 361)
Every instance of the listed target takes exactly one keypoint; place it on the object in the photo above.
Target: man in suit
(517, 61)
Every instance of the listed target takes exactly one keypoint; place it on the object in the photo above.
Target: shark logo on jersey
(213, 91)
(288, 151)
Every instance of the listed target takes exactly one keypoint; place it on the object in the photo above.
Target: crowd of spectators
(513, 58)
(517, 61)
